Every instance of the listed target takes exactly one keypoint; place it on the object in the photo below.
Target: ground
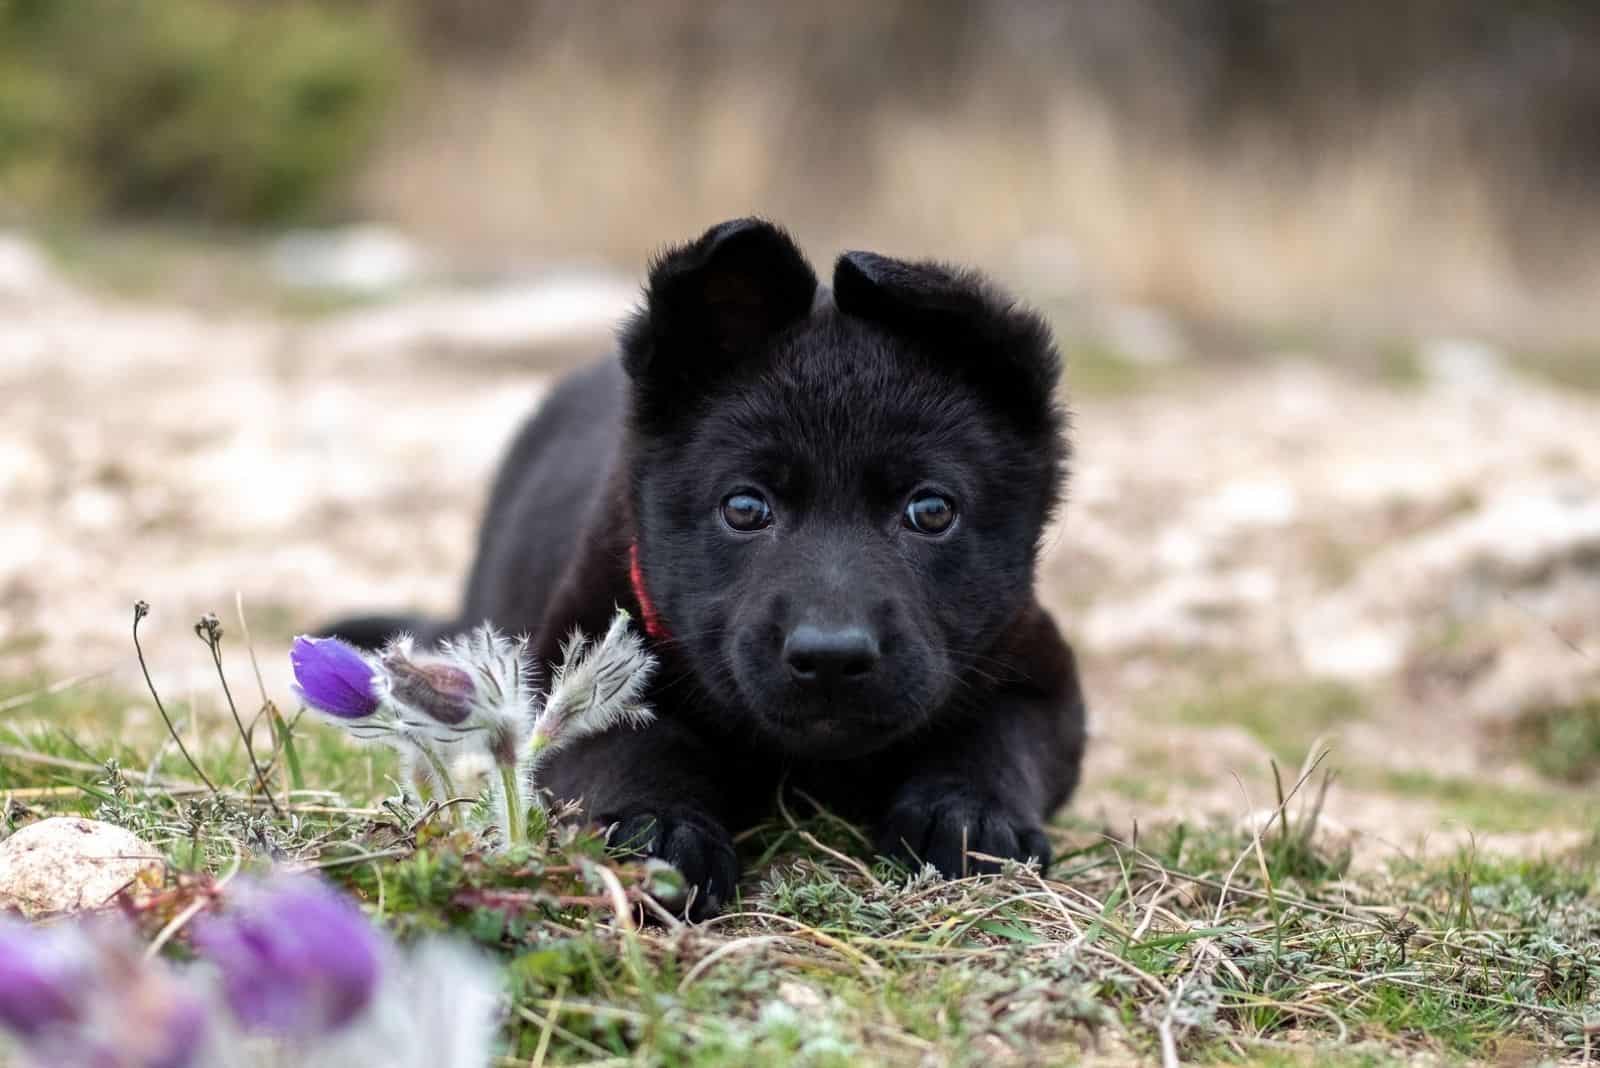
(1266, 557)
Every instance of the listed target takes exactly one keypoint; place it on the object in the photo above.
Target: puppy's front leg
(989, 785)
(661, 792)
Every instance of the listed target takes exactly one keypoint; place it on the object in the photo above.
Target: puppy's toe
(946, 827)
(692, 842)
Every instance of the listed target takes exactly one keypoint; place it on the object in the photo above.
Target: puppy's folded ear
(962, 321)
(715, 301)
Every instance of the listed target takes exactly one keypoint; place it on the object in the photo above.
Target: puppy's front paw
(691, 841)
(943, 822)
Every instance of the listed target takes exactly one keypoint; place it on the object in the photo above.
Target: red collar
(647, 608)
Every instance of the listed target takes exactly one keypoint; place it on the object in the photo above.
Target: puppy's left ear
(715, 301)
(969, 326)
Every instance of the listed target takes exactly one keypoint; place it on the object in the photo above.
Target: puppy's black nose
(822, 655)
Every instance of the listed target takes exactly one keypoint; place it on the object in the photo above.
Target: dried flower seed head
(209, 629)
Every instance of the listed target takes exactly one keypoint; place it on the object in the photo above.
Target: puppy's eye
(746, 512)
(930, 513)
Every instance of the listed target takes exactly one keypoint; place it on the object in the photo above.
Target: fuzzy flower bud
(503, 698)
(440, 691)
(599, 685)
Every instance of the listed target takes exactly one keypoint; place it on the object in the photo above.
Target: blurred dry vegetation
(1349, 169)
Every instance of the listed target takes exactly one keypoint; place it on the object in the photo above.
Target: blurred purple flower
(38, 978)
(180, 1033)
(297, 958)
(83, 994)
(333, 677)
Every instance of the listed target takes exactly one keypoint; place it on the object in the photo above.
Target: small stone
(355, 259)
(24, 272)
(1464, 364)
(800, 996)
(66, 864)
(1143, 335)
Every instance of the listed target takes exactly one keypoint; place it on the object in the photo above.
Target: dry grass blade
(23, 700)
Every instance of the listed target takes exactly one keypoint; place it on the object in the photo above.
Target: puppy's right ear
(714, 302)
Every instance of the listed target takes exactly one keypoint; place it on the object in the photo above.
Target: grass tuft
(1562, 741)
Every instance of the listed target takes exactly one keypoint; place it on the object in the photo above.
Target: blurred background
(277, 279)
(1280, 164)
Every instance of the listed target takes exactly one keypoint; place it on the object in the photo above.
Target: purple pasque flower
(83, 994)
(334, 677)
(178, 1032)
(41, 975)
(146, 1015)
(297, 957)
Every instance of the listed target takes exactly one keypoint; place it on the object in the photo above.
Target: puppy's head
(839, 497)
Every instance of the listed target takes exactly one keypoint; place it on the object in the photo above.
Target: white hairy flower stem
(528, 767)
(516, 829)
(447, 788)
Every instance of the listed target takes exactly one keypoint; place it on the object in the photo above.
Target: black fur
(740, 373)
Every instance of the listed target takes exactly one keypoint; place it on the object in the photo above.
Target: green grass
(833, 957)
(1561, 741)
(1287, 717)
(1399, 364)
(224, 113)
(200, 266)
(1490, 806)
(1574, 367)
(1097, 369)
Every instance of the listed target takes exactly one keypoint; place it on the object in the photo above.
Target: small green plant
(230, 113)
(1287, 717)
(1562, 741)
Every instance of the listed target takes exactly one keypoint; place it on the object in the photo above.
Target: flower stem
(516, 813)
(139, 612)
(211, 633)
(447, 788)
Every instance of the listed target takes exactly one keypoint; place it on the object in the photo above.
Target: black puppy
(826, 510)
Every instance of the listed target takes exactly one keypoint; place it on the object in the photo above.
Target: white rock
(24, 272)
(800, 996)
(1190, 609)
(1252, 503)
(1463, 363)
(1522, 533)
(1053, 263)
(356, 259)
(545, 312)
(66, 863)
(1143, 335)
(1337, 643)
(1535, 674)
